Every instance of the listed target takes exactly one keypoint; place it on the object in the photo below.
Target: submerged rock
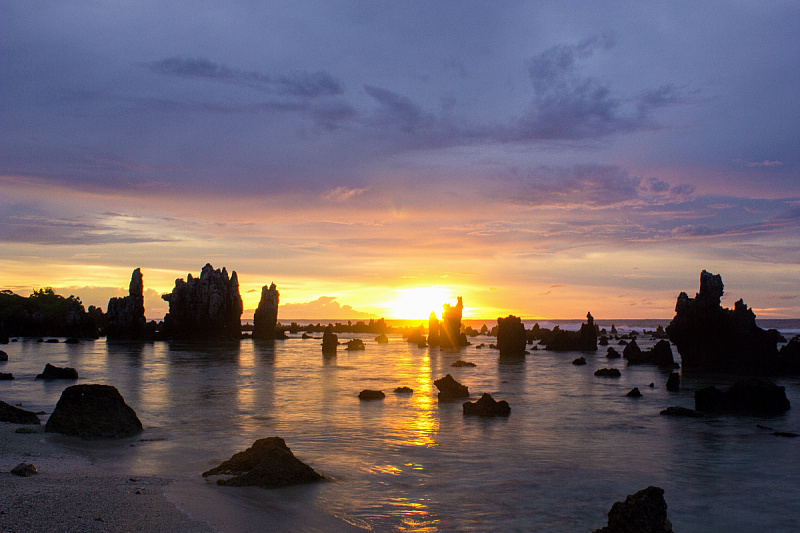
(634, 393)
(267, 463)
(404, 390)
(126, 315)
(461, 363)
(93, 412)
(55, 372)
(682, 411)
(265, 317)
(450, 389)
(579, 361)
(487, 406)
(607, 373)
(750, 395)
(208, 307)
(15, 415)
(368, 395)
(643, 512)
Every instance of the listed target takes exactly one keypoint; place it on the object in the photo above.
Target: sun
(417, 303)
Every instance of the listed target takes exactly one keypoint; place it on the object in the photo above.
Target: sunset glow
(418, 303)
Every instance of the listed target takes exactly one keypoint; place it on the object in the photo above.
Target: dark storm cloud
(302, 84)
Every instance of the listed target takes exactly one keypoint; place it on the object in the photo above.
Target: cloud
(341, 194)
(299, 83)
(324, 307)
(765, 163)
(400, 111)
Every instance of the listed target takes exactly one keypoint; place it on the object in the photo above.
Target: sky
(542, 159)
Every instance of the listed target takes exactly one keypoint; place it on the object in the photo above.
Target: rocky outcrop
(450, 389)
(511, 337)
(266, 316)
(660, 354)
(674, 382)
(382, 339)
(369, 395)
(634, 393)
(404, 390)
(450, 335)
(584, 340)
(330, 341)
(6, 376)
(208, 307)
(55, 372)
(612, 353)
(125, 316)
(486, 407)
(433, 330)
(15, 415)
(461, 363)
(93, 412)
(267, 463)
(750, 395)
(711, 338)
(355, 344)
(643, 512)
(607, 373)
(682, 412)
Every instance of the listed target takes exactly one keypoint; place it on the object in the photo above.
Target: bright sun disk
(417, 303)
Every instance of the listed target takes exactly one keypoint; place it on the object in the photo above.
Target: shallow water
(573, 445)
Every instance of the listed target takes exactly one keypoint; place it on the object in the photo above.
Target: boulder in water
(15, 415)
(487, 406)
(643, 512)
(750, 395)
(93, 412)
(55, 372)
(267, 463)
(368, 395)
(450, 389)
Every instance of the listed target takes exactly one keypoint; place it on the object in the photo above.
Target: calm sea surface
(573, 445)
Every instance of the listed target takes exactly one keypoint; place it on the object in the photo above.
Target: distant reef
(711, 338)
(47, 314)
(208, 307)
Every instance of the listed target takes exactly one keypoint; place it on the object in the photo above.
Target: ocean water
(572, 446)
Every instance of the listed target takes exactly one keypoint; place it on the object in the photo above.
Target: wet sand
(70, 494)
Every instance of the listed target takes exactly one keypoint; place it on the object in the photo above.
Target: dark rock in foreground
(450, 389)
(24, 470)
(3, 356)
(511, 337)
(608, 373)
(55, 372)
(750, 395)
(6, 376)
(267, 463)
(682, 411)
(368, 394)
(579, 361)
(634, 393)
(643, 512)
(711, 338)
(674, 382)
(15, 415)
(612, 354)
(93, 412)
(487, 406)
(404, 390)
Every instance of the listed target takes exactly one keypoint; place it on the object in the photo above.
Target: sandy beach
(70, 494)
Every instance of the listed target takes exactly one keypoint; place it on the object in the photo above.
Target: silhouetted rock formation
(789, 357)
(450, 389)
(682, 411)
(579, 361)
(368, 395)
(634, 393)
(674, 382)
(15, 415)
(267, 463)
(404, 390)
(208, 307)
(660, 354)
(607, 373)
(487, 406)
(433, 330)
(714, 339)
(330, 341)
(125, 316)
(750, 395)
(450, 335)
(266, 316)
(382, 339)
(612, 353)
(355, 344)
(461, 363)
(584, 340)
(93, 412)
(511, 337)
(55, 372)
(416, 336)
(643, 512)
(6, 376)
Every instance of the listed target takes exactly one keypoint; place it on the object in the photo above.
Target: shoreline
(71, 494)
